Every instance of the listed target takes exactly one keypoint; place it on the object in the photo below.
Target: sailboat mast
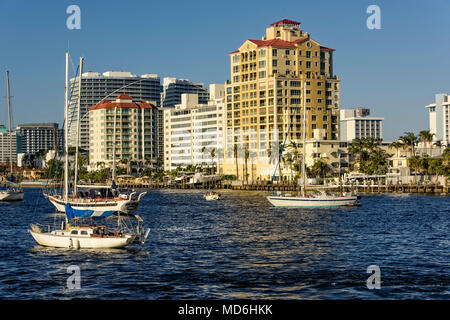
(114, 147)
(78, 128)
(9, 117)
(66, 132)
(304, 140)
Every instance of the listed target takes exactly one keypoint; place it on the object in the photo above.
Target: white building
(95, 87)
(356, 124)
(193, 130)
(8, 147)
(128, 125)
(438, 118)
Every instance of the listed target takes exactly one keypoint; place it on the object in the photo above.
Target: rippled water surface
(241, 248)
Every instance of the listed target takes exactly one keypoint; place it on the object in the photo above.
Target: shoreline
(262, 187)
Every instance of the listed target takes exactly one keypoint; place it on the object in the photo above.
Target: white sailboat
(318, 199)
(76, 234)
(89, 197)
(81, 228)
(11, 191)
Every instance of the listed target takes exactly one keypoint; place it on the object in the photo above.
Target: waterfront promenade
(263, 186)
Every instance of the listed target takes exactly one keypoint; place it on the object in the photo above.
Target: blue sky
(394, 71)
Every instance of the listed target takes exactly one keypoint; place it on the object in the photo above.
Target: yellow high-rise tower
(266, 89)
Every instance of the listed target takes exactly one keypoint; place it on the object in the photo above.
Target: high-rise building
(173, 88)
(438, 118)
(96, 87)
(131, 126)
(265, 92)
(8, 147)
(193, 130)
(357, 124)
(171, 91)
(38, 137)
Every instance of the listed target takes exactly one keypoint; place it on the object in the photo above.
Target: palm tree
(213, 154)
(246, 156)
(414, 163)
(357, 149)
(426, 136)
(410, 139)
(435, 167)
(203, 154)
(396, 145)
(235, 151)
(320, 168)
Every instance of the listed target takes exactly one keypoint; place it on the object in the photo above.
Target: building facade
(171, 91)
(96, 87)
(192, 130)
(8, 147)
(130, 125)
(357, 124)
(438, 113)
(265, 93)
(39, 137)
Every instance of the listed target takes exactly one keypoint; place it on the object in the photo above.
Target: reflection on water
(240, 248)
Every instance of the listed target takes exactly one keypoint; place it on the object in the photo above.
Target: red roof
(106, 104)
(327, 49)
(124, 96)
(285, 22)
(274, 43)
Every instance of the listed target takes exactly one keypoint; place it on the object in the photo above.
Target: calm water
(241, 248)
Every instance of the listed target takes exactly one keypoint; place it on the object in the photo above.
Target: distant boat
(319, 199)
(11, 191)
(212, 195)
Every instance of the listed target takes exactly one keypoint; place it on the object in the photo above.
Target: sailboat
(89, 197)
(11, 191)
(320, 198)
(81, 228)
(76, 233)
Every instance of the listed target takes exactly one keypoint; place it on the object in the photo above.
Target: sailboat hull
(11, 195)
(127, 206)
(50, 239)
(300, 202)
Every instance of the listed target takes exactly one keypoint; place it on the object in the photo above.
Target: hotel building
(192, 130)
(95, 87)
(268, 78)
(356, 124)
(438, 118)
(38, 137)
(130, 125)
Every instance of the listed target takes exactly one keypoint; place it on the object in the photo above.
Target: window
(74, 232)
(308, 54)
(274, 62)
(83, 232)
(308, 64)
(288, 63)
(274, 52)
(287, 51)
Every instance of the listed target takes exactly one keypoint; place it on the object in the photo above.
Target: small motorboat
(212, 195)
